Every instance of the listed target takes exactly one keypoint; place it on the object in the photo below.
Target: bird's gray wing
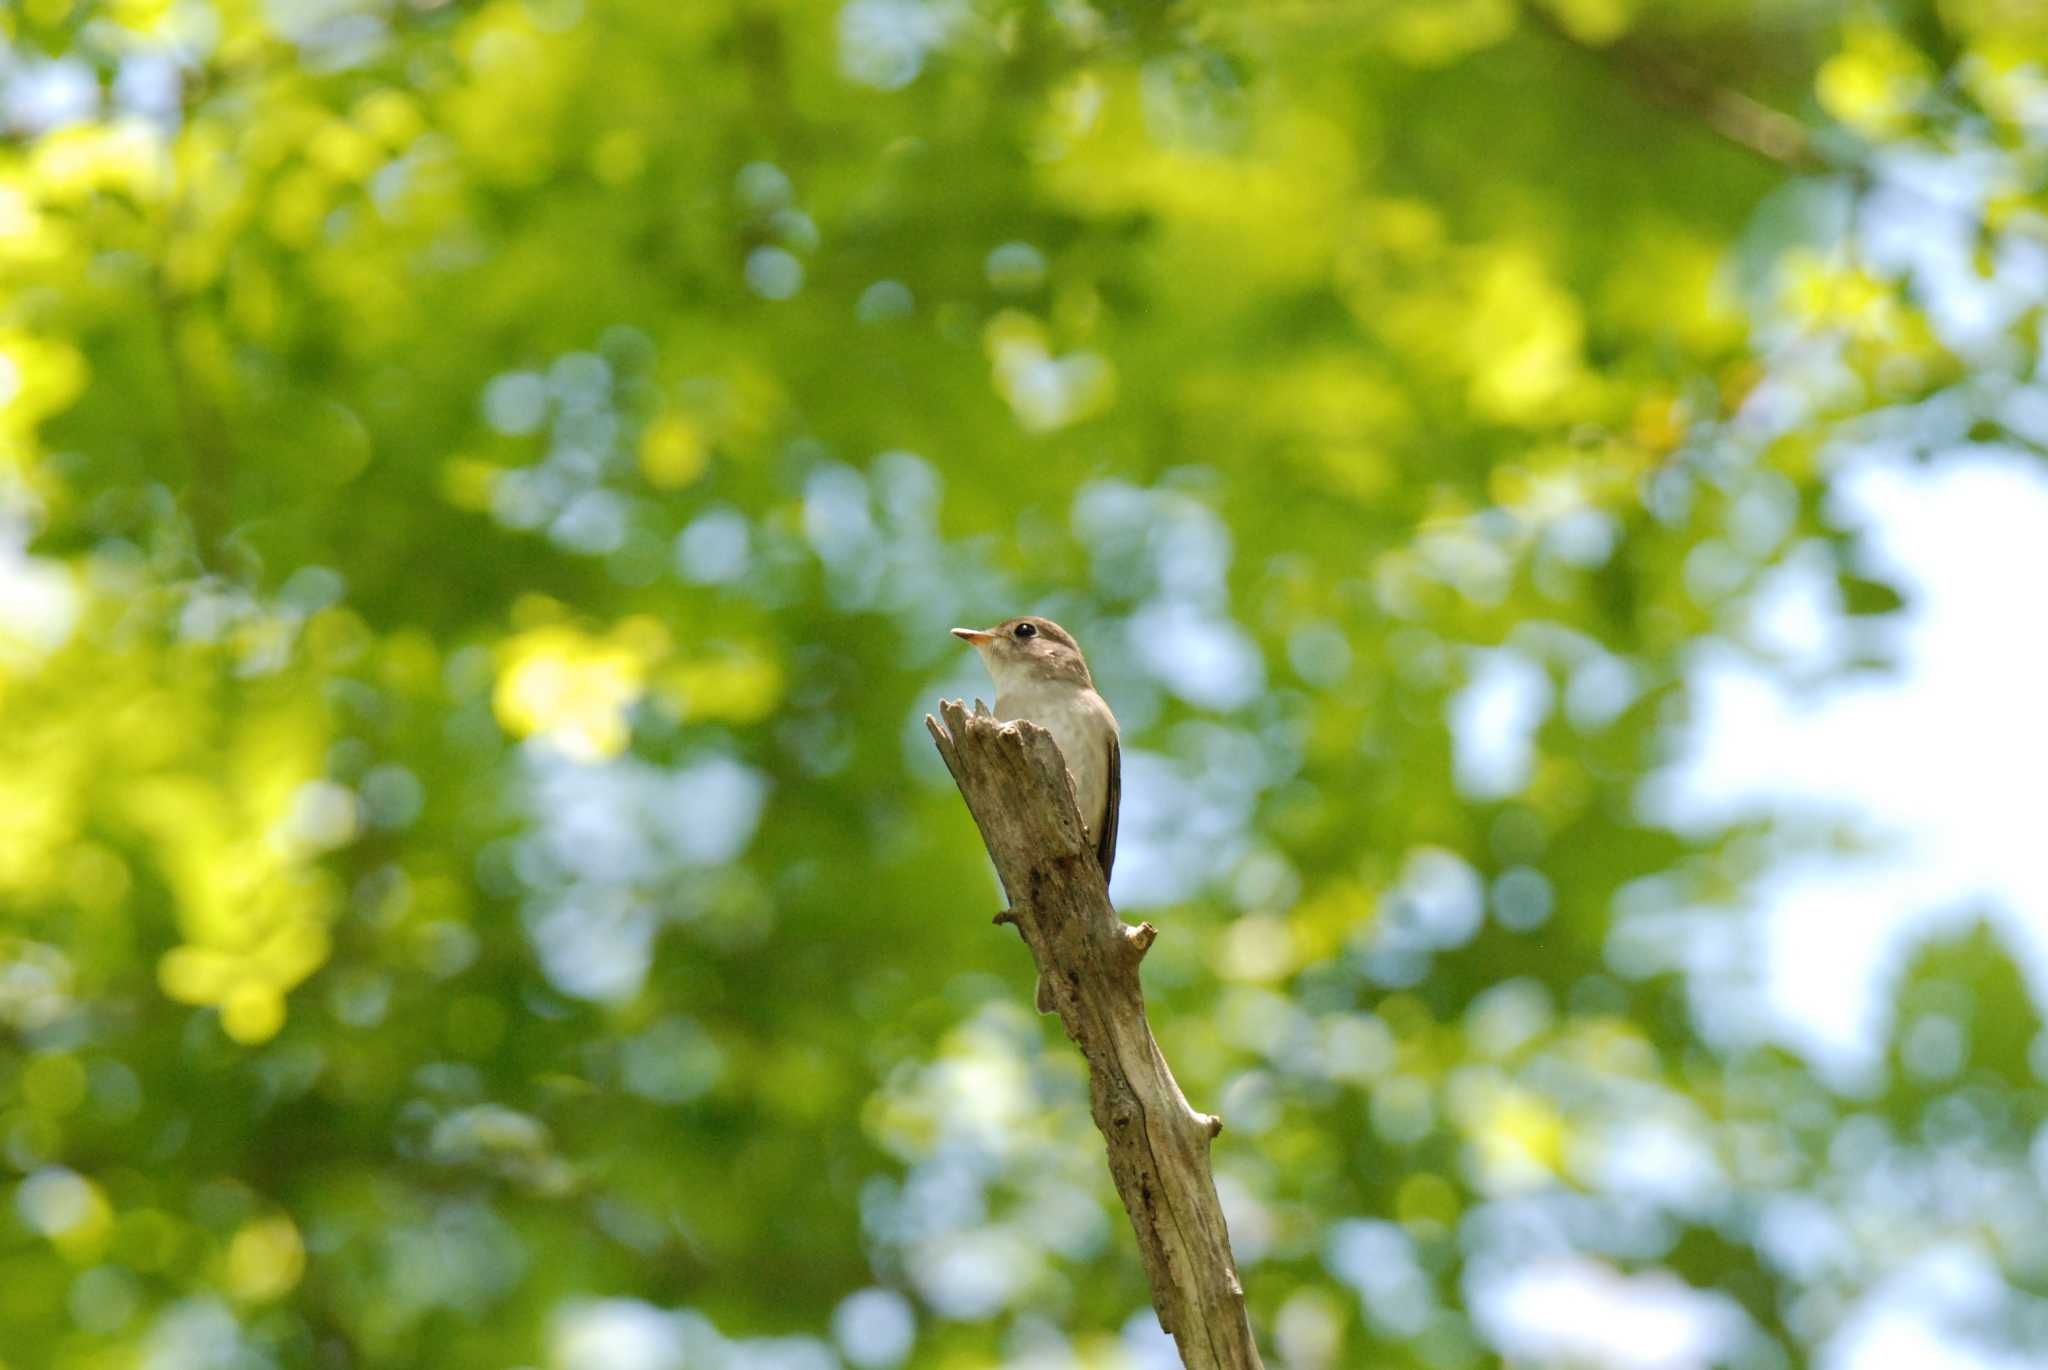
(1105, 844)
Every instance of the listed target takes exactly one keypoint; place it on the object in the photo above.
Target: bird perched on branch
(1042, 678)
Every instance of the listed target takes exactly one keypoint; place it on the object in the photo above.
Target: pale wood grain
(1017, 788)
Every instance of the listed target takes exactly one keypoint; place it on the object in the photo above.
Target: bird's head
(1027, 651)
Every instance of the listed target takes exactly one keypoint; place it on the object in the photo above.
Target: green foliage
(483, 487)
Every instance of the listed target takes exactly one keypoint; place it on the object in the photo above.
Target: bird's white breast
(1080, 722)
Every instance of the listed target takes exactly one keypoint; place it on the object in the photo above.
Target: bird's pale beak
(977, 636)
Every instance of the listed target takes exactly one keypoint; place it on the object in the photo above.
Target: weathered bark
(1017, 788)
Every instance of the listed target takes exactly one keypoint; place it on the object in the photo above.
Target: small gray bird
(1041, 677)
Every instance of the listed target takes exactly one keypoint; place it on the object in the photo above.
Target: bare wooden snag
(1017, 788)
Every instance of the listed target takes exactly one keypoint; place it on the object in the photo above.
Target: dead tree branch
(1017, 788)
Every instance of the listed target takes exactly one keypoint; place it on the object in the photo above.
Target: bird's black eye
(1027, 630)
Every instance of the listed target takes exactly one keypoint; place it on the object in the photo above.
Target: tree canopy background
(483, 487)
